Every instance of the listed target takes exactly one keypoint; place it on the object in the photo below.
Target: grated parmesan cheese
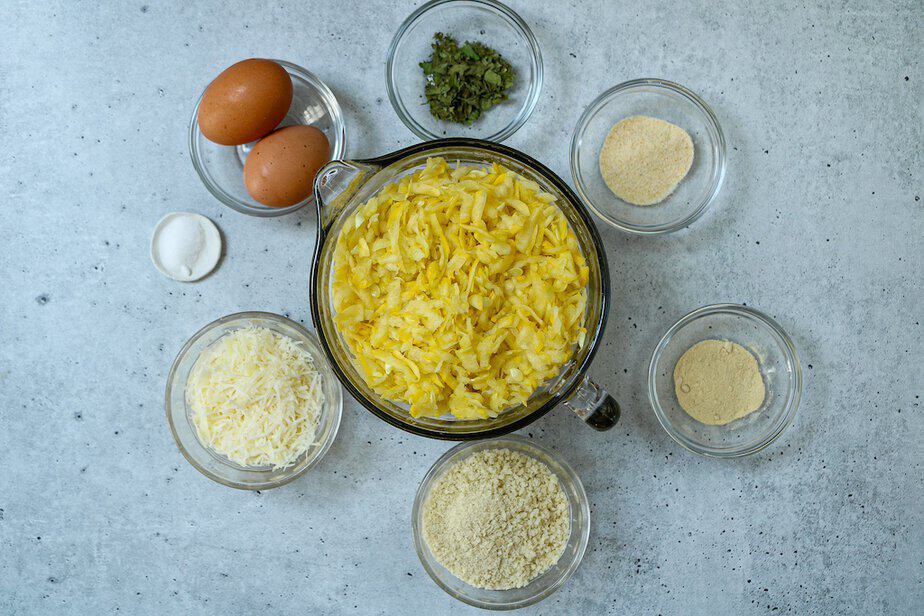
(256, 398)
(644, 159)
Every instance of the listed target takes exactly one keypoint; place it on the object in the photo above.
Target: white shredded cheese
(256, 398)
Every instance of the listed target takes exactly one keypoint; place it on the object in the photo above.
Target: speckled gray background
(820, 225)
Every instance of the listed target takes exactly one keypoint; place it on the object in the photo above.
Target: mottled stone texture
(820, 225)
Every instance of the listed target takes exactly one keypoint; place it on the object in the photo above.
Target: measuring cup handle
(594, 405)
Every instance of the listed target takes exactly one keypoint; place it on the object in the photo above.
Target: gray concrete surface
(820, 225)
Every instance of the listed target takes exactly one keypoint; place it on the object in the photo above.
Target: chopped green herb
(463, 82)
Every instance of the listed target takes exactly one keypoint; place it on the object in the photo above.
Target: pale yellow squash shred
(459, 290)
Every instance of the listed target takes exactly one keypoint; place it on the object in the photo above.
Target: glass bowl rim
(719, 164)
(793, 392)
(501, 10)
(450, 457)
(335, 409)
(337, 148)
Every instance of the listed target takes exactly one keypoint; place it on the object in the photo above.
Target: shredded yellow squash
(459, 290)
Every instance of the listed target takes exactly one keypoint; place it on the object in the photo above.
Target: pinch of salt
(179, 245)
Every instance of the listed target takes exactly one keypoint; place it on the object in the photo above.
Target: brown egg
(280, 168)
(245, 102)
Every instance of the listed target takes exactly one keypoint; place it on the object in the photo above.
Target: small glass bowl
(666, 101)
(487, 21)
(545, 584)
(214, 465)
(779, 367)
(221, 167)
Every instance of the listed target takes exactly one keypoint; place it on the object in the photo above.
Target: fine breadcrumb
(718, 381)
(497, 520)
(643, 159)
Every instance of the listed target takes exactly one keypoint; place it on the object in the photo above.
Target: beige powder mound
(643, 159)
(718, 381)
(497, 519)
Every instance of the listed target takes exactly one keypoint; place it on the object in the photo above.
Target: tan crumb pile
(643, 159)
(497, 520)
(718, 381)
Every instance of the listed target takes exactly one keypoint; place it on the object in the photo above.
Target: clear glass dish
(779, 367)
(545, 584)
(216, 466)
(221, 167)
(666, 101)
(343, 186)
(487, 21)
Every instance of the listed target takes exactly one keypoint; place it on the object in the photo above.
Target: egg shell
(280, 168)
(245, 102)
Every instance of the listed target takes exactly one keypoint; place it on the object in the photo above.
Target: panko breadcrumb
(497, 519)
